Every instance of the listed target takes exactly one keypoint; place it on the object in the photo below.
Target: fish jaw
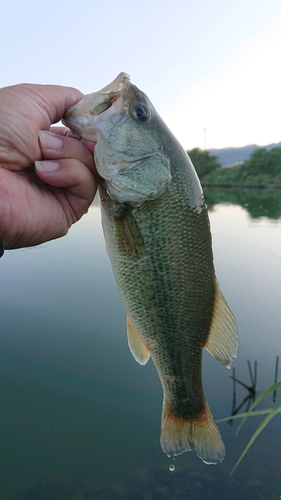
(84, 116)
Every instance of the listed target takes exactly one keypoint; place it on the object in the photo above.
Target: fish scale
(165, 294)
(158, 240)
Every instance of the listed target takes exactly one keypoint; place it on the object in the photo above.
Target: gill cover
(135, 181)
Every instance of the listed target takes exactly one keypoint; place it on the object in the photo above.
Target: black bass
(158, 240)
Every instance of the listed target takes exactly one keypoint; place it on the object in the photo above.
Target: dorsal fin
(136, 344)
(222, 342)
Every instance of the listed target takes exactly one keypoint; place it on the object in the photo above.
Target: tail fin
(201, 435)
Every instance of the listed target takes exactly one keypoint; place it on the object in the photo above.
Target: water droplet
(172, 467)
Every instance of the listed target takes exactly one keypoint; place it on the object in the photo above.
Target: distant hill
(228, 156)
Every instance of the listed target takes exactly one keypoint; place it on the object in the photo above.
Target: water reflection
(79, 417)
(250, 397)
(257, 202)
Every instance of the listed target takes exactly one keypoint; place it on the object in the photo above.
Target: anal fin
(136, 344)
(222, 341)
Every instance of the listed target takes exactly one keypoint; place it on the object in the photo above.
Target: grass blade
(265, 411)
(263, 424)
(262, 396)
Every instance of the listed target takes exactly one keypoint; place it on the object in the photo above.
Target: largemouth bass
(158, 240)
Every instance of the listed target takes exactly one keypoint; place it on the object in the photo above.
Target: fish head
(129, 153)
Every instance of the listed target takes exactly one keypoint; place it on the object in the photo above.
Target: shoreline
(229, 185)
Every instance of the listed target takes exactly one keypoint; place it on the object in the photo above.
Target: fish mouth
(77, 117)
(118, 84)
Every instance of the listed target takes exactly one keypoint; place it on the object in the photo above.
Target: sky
(209, 65)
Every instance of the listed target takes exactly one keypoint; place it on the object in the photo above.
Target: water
(80, 419)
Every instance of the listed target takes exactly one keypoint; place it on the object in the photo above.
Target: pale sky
(209, 64)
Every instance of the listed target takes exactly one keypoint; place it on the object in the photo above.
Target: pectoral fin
(222, 342)
(128, 234)
(137, 347)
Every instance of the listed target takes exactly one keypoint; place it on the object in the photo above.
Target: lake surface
(80, 419)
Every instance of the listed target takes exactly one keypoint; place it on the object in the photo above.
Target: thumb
(52, 99)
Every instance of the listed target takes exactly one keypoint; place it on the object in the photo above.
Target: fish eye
(141, 112)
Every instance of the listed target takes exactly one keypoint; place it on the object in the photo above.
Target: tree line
(262, 169)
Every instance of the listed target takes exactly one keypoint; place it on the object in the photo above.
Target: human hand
(39, 204)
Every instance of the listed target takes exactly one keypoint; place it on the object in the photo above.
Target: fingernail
(49, 140)
(46, 166)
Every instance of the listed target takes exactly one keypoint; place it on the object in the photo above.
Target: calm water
(80, 419)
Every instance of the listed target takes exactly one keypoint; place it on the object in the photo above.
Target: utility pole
(205, 130)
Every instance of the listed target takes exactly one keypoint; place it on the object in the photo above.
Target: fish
(158, 239)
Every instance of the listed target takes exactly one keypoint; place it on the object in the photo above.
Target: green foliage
(224, 177)
(263, 161)
(270, 414)
(204, 163)
(262, 169)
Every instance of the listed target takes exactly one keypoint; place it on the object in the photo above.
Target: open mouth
(105, 105)
(80, 117)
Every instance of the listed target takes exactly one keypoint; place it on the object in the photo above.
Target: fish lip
(95, 104)
(117, 85)
(110, 92)
(74, 135)
(70, 124)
